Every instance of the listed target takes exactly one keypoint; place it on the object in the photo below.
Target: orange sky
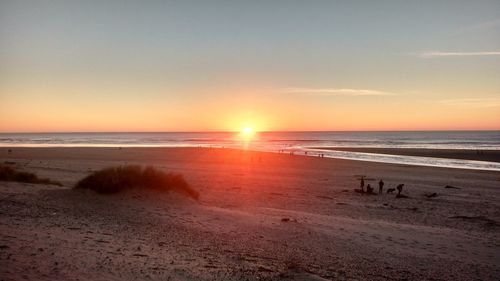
(261, 111)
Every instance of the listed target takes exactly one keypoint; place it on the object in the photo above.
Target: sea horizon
(237, 131)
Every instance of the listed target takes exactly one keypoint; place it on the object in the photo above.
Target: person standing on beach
(362, 184)
(400, 188)
(380, 186)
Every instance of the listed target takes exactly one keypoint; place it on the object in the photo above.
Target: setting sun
(247, 134)
(247, 131)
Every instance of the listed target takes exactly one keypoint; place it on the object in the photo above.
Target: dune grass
(116, 179)
(10, 174)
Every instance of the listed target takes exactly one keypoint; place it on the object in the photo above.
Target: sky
(70, 66)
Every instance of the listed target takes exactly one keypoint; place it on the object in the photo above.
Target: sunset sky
(270, 65)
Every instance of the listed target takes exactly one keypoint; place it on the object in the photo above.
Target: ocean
(296, 142)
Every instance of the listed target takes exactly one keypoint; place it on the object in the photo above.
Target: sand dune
(259, 216)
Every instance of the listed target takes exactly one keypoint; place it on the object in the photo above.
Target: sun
(247, 134)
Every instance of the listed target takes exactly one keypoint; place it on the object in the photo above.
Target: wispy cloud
(336, 92)
(433, 54)
(472, 102)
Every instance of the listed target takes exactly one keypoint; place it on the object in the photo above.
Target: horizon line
(263, 131)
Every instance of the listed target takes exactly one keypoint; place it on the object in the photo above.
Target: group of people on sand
(370, 189)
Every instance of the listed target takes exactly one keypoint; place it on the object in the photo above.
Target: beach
(260, 216)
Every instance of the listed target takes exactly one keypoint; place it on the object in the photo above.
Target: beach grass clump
(116, 179)
(10, 174)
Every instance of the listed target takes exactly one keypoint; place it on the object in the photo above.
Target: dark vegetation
(10, 174)
(116, 179)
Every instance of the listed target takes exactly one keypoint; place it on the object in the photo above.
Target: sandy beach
(260, 216)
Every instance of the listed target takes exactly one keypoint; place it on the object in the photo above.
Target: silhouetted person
(380, 186)
(362, 184)
(9, 151)
(369, 189)
(400, 188)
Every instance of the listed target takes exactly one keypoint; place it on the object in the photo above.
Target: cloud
(472, 102)
(335, 92)
(433, 54)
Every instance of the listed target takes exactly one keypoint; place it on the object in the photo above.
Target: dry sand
(261, 216)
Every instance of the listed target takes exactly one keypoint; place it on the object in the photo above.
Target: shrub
(116, 179)
(10, 174)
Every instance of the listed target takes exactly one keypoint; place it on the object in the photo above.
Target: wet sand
(261, 216)
(479, 155)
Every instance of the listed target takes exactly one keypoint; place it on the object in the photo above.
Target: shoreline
(463, 154)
